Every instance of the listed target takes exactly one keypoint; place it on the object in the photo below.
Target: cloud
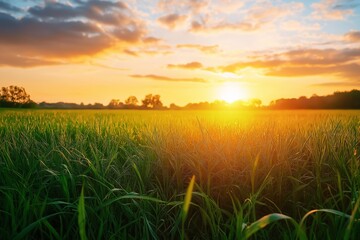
(203, 26)
(353, 36)
(344, 63)
(8, 59)
(331, 10)
(169, 79)
(255, 18)
(57, 32)
(172, 21)
(105, 12)
(31, 37)
(151, 40)
(202, 48)
(8, 7)
(191, 65)
(346, 4)
(192, 6)
(337, 84)
(293, 25)
(130, 52)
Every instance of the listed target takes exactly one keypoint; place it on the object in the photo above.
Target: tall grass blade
(186, 204)
(263, 222)
(187, 199)
(82, 215)
(32, 226)
(332, 211)
(352, 219)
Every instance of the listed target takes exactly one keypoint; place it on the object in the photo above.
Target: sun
(231, 92)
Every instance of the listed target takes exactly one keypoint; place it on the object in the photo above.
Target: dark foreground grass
(129, 175)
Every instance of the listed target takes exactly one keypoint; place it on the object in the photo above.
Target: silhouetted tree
(146, 102)
(156, 102)
(173, 106)
(152, 101)
(14, 96)
(115, 103)
(132, 100)
(255, 102)
(338, 100)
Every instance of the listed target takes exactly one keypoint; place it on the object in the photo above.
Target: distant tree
(132, 100)
(255, 102)
(173, 106)
(115, 103)
(14, 96)
(152, 101)
(338, 100)
(156, 102)
(98, 106)
(146, 102)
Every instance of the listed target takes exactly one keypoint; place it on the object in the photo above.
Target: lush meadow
(127, 174)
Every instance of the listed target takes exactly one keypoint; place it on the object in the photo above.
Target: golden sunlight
(231, 91)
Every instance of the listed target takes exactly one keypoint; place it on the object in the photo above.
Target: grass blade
(82, 215)
(32, 226)
(263, 222)
(186, 204)
(187, 199)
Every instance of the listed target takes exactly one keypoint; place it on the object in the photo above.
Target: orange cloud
(192, 6)
(169, 79)
(191, 65)
(254, 18)
(353, 36)
(53, 33)
(305, 62)
(331, 10)
(202, 48)
(172, 21)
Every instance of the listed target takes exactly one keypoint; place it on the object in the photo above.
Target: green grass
(129, 174)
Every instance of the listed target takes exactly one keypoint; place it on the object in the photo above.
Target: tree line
(337, 100)
(17, 97)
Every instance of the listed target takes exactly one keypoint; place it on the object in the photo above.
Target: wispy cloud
(344, 63)
(202, 48)
(172, 21)
(254, 18)
(191, 65)
(353, 36)
(331, 10)
(169, 79)
(337, 84)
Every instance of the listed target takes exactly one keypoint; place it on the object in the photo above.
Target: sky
(186, 51)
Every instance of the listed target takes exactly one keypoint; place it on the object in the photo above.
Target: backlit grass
(128, 174)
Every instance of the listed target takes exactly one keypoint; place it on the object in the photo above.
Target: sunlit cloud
(344, 63)
(332, 9)
(353, 36)
(293, 25)
(168, 79)
(255, 18)
(203, 48)
(192, 6)
(191, 65)
(55, 31)
(172, 21)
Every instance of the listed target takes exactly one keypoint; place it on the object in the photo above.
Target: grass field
(129, 174)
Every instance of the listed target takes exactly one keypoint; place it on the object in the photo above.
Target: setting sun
(231, 92)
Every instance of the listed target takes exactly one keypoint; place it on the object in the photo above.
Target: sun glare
(231, 92)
